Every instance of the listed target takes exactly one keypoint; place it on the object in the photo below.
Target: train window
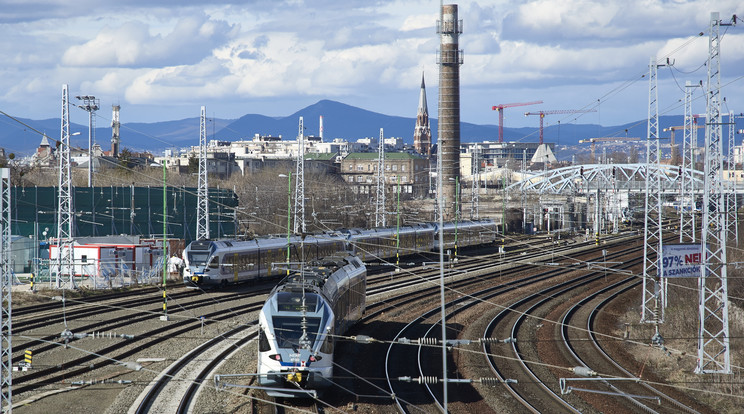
(214, 263)
(263, 342)
(288, 330)
(198, 258)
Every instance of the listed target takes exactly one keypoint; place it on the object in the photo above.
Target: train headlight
(314, 358)
(276, 357)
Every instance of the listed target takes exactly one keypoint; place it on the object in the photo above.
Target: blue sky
(161, 60)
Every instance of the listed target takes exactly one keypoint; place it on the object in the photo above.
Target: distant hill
(340, 121)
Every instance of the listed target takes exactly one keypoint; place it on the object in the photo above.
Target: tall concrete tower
(115, 125)
(448, 137)
(422, 132)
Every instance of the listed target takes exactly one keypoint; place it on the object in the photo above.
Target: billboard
(681, 260)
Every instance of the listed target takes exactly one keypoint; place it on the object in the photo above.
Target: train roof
(315, 274)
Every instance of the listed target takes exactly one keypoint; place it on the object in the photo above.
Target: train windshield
(289, 332)
(198, 258)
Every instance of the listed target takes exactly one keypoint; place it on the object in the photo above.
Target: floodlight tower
(202, 202)
(6, 284)
(380, 201)
(299, 207)
(713, 336)
(687, 185)
(652, 292)
(90, 105)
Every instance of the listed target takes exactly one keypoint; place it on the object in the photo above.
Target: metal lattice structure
(202, 202)
(6, 284)
(732, 225)
(629, 178)
(713, 337)
(475, 202)
(652, 294)
(687, 231)
(65, 215)
(380, 200)
(299, 207)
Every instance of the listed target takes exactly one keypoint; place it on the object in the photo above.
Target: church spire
(422, 132)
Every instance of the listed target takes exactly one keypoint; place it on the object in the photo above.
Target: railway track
(407, 289)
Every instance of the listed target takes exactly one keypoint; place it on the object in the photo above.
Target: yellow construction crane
(593, 141)
(678, 128)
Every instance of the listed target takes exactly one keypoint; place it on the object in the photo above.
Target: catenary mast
(202, 210)
(65, 216)
(713, 335)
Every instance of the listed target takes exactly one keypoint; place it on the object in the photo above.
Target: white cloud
(160, 52)
(132, 44)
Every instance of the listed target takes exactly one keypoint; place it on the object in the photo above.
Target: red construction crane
(501, 107)
(554, 112)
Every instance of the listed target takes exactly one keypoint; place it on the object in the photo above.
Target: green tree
(193, 164)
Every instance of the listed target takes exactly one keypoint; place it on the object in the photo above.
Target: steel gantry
(713, 337)
(65, 216)
(202, 202)
(652, 310)
(6, 284)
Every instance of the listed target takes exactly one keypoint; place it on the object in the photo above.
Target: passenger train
(219, 262)
(298, 324)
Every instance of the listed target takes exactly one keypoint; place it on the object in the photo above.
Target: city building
(359, 169)
(422, 131)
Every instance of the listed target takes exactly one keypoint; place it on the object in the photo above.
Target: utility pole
(202, 203)
(713, 338)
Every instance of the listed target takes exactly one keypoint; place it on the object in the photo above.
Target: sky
(163, 59)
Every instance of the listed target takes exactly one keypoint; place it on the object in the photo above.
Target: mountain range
(22, 136)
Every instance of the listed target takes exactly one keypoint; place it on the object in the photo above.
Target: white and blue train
(219, 262)
(298, 325)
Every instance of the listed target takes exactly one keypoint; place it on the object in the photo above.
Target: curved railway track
(473, 279)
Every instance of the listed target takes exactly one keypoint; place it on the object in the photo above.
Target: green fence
(101, 211)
